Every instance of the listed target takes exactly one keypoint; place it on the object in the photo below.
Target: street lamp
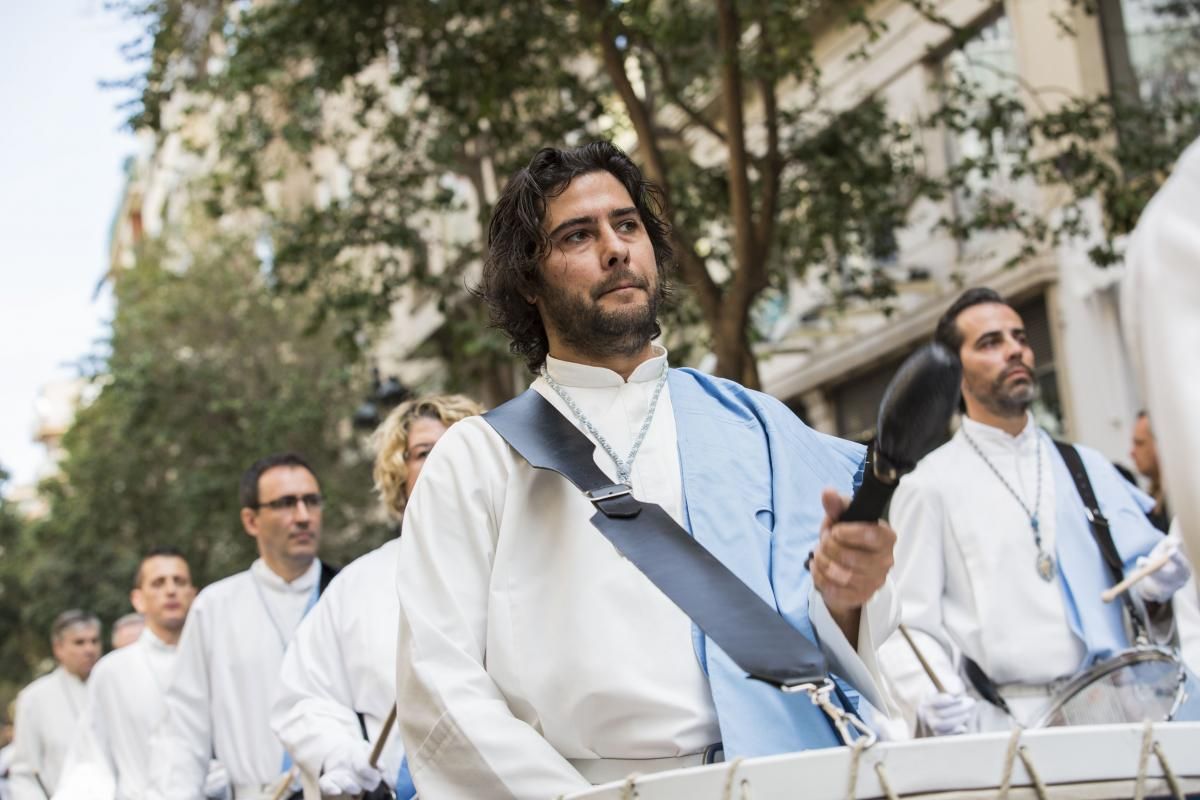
(385, 395)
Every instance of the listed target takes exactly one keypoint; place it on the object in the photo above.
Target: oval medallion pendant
(1045, 566)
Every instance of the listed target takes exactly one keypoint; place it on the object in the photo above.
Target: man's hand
(349, 771)
(850, 563)
(1159, 586)
(944, 714)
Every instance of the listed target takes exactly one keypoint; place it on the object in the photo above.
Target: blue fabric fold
(1099, 625)
(752, 479)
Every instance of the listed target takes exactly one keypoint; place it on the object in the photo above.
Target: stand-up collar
(152, 642)
(301, 585)
(569, 373)
(987, 435)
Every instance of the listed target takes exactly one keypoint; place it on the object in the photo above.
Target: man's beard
(586, 327)
(1005, 401)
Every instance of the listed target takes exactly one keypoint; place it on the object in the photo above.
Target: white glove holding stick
(349, 771)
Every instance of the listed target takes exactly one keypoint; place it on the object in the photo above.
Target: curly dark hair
(518, 242)
(947, 332)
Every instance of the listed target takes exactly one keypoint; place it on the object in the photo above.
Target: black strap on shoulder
(1100, 529)
(328, 571)
(750, 631)
(1096, 518)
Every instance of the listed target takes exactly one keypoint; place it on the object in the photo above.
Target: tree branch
(693, 267)
(729, 32)
(772, 167)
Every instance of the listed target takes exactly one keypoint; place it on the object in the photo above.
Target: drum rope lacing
(1151, 745)
(629, 787)
(744, 785)
(1016, 750)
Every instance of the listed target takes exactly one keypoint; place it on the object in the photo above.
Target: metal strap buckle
(843, 720)
(1096, 518)
(608, 492)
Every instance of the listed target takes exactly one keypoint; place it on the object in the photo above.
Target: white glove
(1160, 585)
(945, 714)
(216, 782)
(349, 771)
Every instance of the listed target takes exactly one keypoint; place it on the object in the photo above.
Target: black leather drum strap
(750, 632)
(1100, 530)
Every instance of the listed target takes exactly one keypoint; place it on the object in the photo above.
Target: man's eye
(575, 237)
(628, 226)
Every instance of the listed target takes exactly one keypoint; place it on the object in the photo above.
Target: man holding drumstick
(534, 660)
(999, 565)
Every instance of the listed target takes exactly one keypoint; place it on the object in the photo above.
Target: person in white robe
(997, 563)
(339, 677)
(109, 756)
(227, 666)
(127, 629)
(534, 660)
(1159, 298)
(48, 709)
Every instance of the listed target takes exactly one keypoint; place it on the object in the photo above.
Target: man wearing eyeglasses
(220, 697)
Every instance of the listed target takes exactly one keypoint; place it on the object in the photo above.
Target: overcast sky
(62, 147)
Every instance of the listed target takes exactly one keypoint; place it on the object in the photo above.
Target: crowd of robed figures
(524, 655)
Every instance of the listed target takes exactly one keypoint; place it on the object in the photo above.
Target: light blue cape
(752, 480)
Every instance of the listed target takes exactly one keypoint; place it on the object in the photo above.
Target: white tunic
(1160, 302)
(966, 568)
(226, 679)
(46, 714)
(525, 638)
(110, 753)
(342, 661)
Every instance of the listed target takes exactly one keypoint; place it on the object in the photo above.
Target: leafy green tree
(20, 645)
(208, 369)
(723, 98)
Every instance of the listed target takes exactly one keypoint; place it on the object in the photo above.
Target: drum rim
(1112, 664)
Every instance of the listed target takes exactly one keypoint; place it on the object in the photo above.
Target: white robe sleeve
(313, 715)
(181, 751)
(858, 663)
(918, 517)
(27, 750)
(461, 737)
(1161, 304)
(89, 772)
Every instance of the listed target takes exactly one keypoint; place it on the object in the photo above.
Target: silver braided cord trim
(624, 466)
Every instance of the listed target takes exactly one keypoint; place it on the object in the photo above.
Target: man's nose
(302, 513)
(616, 250)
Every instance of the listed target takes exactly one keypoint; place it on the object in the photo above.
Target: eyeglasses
(289, 502)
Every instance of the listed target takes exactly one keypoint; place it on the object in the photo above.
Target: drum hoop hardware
(843, 721)
(1134, 655)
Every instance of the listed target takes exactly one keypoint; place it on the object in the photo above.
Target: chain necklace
(625, 465)
(1045, 561)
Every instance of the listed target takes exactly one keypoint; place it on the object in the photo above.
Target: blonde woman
(339, 674)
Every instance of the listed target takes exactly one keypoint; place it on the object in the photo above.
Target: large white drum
(1096, 762)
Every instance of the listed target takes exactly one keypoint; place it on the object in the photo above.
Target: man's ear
(250, 521)
(137, 601)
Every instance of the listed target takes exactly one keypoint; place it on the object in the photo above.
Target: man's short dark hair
(69, 619)
(166, 552)
(248, 489)
(518, 242)
(947, 332)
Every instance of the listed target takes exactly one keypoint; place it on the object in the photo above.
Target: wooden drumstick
(384, 732)
(937, 684)
(1150, 567)
(282, 791)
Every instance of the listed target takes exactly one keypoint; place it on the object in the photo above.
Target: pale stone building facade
(832, 368)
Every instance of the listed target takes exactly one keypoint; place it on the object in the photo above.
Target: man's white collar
(270, 580)
(570, 373)
(988, 435)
